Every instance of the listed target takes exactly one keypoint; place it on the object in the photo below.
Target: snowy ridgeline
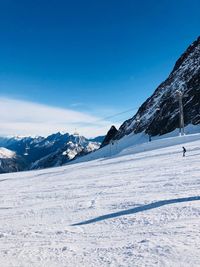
(139, 208)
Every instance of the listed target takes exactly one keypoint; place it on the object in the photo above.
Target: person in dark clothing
(149, 138)
(184, 151)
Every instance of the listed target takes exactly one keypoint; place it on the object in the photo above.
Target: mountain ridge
(159, 114)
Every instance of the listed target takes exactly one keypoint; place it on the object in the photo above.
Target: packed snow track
(135, 209)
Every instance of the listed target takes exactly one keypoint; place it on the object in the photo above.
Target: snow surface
(139, 208)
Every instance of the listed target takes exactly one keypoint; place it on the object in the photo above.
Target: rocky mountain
(112, 132)
(74, 148)
(159, 114)
(42, 152)
(10, 162)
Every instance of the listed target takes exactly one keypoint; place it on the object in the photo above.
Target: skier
(149, 138)
(184, 151)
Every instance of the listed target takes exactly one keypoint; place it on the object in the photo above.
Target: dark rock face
(110, 135)
(159, 114)
(11, 164)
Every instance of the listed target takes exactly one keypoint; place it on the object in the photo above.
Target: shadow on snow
(150, 206)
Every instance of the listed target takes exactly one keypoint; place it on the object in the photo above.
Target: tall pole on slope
(181, 115)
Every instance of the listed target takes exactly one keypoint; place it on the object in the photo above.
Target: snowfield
(138, 208)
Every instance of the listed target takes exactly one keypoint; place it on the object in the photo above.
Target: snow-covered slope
(159, 114)
(135, 209)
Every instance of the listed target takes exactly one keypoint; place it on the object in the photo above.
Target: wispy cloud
(28, 118)
(78, 104)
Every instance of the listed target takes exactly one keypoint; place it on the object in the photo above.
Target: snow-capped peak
(6, 153)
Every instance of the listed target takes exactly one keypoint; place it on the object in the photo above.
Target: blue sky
(96, 58)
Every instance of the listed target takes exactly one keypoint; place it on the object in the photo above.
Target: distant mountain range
(43, 152)
(159, 114)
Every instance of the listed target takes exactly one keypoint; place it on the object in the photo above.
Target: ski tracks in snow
(151, 201)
